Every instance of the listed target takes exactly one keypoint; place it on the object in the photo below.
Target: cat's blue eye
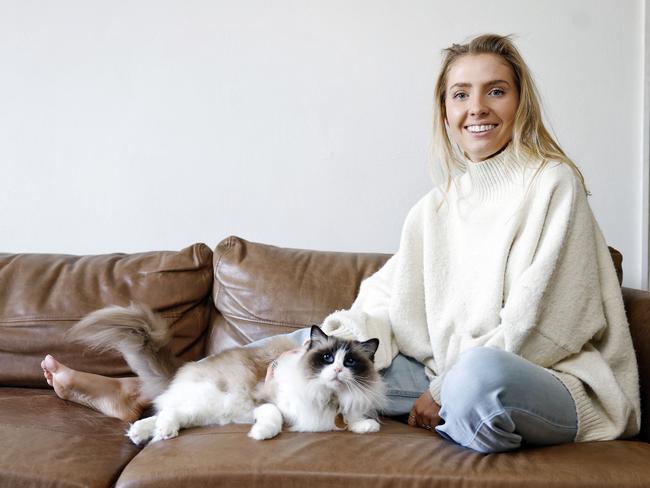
(328, 358)
(349, 362)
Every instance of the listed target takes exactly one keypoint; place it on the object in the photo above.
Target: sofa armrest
(637, 306)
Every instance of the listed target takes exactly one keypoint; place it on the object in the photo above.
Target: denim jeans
(491, 400)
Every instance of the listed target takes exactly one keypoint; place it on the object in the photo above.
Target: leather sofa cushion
(396, 456)
(42, 295)
(49, 442)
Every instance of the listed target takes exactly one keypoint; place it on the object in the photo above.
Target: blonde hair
(530, 138)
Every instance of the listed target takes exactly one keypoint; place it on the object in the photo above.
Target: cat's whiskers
(364, 390)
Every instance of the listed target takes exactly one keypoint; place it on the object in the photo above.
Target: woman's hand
(425, 412)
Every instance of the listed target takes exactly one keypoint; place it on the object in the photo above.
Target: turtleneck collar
(494, 176)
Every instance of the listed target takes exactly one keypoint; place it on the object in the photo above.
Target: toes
(47, 374)
(167, 434)
(50, 364)
(167, 426)
(166, 430)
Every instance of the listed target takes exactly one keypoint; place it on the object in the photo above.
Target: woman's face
(481, 102)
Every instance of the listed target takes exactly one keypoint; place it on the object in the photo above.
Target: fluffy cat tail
(136, 333)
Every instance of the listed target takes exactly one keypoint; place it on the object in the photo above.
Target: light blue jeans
(491, 400)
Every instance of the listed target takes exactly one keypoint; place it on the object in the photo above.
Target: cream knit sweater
(501, 264)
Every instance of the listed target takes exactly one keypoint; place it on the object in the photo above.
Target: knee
(471, 401)
(478, 373)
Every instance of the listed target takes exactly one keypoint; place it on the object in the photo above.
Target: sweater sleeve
(369, 317)
(554, 306)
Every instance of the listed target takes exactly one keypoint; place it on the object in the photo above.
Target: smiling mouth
(480, 129)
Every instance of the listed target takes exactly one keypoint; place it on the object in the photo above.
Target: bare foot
(115, 397)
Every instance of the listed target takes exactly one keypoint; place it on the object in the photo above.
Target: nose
(337, 370)
(478, 107)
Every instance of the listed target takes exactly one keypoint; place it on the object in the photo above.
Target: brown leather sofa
(258, 290)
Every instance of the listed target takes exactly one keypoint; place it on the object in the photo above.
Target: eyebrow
(467, 85)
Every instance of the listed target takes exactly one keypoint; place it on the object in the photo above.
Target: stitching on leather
(262, 321)
(206, 276)
(217, 283)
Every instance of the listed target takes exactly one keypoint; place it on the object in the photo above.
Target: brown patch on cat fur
(238, 368)
(222, 385)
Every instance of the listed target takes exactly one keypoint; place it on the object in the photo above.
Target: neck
(495, 176)
(471, 161)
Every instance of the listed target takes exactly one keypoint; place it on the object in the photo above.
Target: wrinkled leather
(262, 290)
(43, 295)
(49, 442)
(396, 456)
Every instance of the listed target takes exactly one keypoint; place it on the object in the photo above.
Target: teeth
(480, 128)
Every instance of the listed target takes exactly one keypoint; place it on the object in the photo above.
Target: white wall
(139, 125)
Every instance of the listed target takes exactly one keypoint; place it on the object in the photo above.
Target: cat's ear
(370, 347)
(317, 336)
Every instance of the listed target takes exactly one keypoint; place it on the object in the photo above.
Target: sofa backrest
(263, 290)
(43, 295)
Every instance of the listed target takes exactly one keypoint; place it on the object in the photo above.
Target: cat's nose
(338, 370)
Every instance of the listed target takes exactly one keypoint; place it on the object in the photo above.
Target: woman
(502, 287)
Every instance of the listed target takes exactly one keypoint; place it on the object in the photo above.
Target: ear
(317, 336)
(370, 347)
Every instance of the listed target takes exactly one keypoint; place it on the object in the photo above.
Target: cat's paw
(364, 426)
(268, 422)
(141, 431)
(165, 429)
(261, 431)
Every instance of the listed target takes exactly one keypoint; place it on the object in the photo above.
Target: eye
(498, 92)
(328, 358)
(460, 95)
(349, 362)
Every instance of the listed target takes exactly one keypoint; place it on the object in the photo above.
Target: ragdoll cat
(305, 387)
